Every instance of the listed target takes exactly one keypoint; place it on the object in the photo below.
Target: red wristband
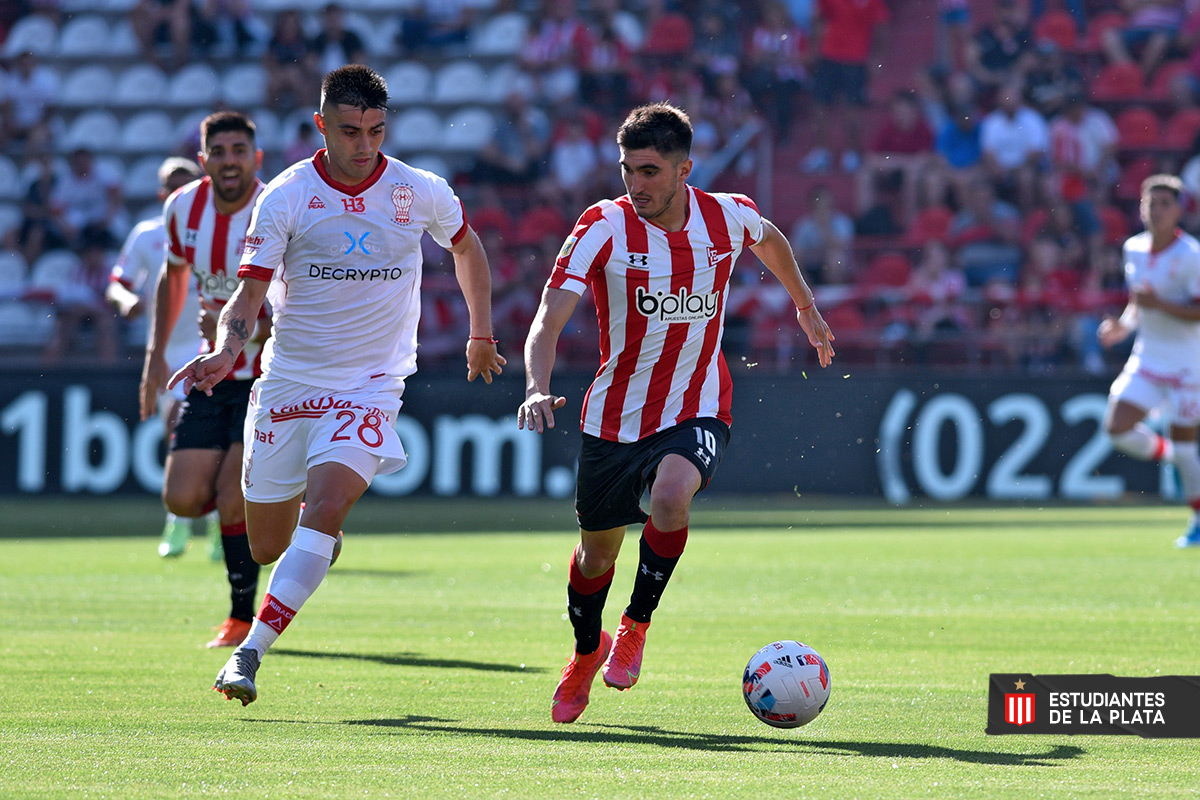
(488, 339)
(807, 307)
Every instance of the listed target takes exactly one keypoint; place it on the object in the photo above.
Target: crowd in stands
(967, 207)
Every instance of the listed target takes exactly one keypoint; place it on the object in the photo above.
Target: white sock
(1187, 464)
(171, 518)
(296, 576)
(1141, 442)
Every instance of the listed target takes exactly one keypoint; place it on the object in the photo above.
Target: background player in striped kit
(206, 225)
(1162, 270)
(658, 262)
(131, 289)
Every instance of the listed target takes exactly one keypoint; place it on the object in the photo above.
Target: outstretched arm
(775, 252)
(234, 328)
(537, 412)
(475, 279)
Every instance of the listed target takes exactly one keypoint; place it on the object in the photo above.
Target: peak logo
(682, 306)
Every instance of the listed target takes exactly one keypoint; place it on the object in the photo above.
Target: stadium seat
(1033, 222)
(1182, 129)
(13, 276)
(502, 35)
(187, 129)
(1097, 25)
(1115, 225)
(33, 32)
(435, 164)
(52, 271)
(1056, 26)
(141, 182)
(21, 324)
(83, 36)
(140, 85)
(96, 130)
(888, 270)
(931, 223)
(123, 42)
(1164, 76)
(244, 86)
(469, 129)
(416, 129)
(11, 218)
(1118, 82)
(194, 86)
(1129, 184)
(461, 82)
(148, 132)
(11, 185)
(1138, 129)
(408, 83)
(505, 79)
(268, 132)
(85, 85)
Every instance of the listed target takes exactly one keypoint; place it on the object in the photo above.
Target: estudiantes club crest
(402, 200)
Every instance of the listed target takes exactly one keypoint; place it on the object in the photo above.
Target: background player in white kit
(206, 224)
(335, 245)
(1162, 271)
(658, 262)
(131, 289)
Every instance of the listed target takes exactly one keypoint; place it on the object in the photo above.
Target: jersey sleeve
(586, 249)
(267, 237)
(752, 221)
(448, 219)
(174, 230)
(1193, 286)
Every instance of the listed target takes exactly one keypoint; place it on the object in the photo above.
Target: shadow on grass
(651, 735)
(410, 660)
(352, 572)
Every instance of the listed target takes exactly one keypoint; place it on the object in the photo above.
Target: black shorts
(832, 79)
(613, 476)
(213, 423)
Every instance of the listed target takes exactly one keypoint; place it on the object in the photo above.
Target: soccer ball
(786, 684)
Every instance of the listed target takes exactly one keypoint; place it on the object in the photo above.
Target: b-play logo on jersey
(682, 306)
(402, 200)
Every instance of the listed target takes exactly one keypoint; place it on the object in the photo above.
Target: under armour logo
(639, 260)
(658, 576)
(577, 611)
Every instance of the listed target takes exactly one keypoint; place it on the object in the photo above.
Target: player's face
(231, 160)
(352, 138)
(1161, 211)
(653, 181)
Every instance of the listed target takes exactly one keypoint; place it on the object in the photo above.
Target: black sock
(242, 571)
(585, 605)
(650, 582)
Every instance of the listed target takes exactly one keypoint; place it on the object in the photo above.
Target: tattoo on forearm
(237, 327)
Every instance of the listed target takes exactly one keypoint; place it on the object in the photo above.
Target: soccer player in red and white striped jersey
(658, 262)
(206, 224)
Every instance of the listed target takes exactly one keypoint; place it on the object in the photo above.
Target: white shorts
(1178, 395)
(293, 427)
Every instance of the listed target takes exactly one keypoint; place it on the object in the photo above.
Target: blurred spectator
(1083, 156)
(954, 25)
(1015, 140)
(1188, 43)
(675, 82)
(885, 217)
(518, 146)
(81, 300)
(543, 220)
(959, 144)
(229, 28)
(552, 53)
(717, 52)
(606, 70)
(986, 235)
(669, 34)
(86, 203)
(164, 29)
(435, 24)
(937, 288)
(1147, 35)
(1002, 49)
(774, 66)
(1074, 7)
(30, 95)
(903, 143)
(336, 44)
(573, 161)
(290, 62)
(845, 33)
(626, 24)
(1051, 79)
(304, 146)
(1190, 175)
(823, 240)
(39, 231)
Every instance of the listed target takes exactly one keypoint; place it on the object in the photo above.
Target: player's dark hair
(660, 126)
(224, 121)
(1167, 183)
(355, 85)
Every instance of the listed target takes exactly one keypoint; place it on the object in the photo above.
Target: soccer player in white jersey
(658, 262)
(131, 290)
(1162, 271)
(335, 245)
(206, 224)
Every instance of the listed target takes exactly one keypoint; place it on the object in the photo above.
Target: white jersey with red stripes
(660, 302)
(137, 269)
(211, 244)
(344, 264)
(1165, 345)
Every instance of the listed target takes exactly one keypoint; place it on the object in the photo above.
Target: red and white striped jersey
(345, 268)
(211, 244)
(660, 302)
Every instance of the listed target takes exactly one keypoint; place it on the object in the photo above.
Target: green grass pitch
(423, 667)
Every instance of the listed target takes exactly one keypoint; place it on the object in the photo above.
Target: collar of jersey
(356, 189)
